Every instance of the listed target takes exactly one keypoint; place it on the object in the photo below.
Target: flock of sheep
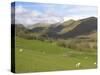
(77, 64)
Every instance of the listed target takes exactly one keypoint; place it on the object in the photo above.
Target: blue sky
(30, 13)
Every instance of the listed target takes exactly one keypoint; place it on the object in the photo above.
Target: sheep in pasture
(95, 63)
(78, 65)
(20, 50)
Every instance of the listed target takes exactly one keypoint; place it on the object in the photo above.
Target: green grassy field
(38, 56)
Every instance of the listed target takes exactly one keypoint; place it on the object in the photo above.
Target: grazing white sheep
(78, 65)
(20, 50)
(95, 63)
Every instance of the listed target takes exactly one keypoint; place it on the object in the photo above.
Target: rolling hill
(86, 26)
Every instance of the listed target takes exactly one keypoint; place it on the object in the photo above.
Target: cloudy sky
(30, 13)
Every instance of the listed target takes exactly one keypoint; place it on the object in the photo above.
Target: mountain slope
(73, 28)
(84, 28)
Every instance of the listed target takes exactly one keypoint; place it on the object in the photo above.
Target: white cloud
(80, 12)
(52, 14)
(27, 17)
(20, 9)
(35, 13)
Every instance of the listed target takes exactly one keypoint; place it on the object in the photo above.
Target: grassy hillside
(36, 56)
(86, 26)
(68, 26)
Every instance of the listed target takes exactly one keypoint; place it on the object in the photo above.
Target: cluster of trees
(77, 44)
(74, 43)
(29, 35)
(22, 32)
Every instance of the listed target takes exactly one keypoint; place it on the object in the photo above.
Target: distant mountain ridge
(67, 29)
